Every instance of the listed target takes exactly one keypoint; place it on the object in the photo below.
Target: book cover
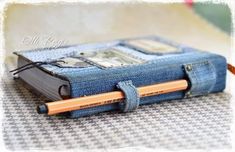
(97, 68)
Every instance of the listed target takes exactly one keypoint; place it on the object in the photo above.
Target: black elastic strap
(32, 65)
(19, 68)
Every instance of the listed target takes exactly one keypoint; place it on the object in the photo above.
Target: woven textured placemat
(201, 122)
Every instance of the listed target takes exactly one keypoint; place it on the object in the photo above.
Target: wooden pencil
(56, 107)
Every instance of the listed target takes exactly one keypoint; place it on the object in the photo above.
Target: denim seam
(117, 75)
(159, 68)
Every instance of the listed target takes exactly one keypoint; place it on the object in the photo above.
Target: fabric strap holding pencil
(121, 75)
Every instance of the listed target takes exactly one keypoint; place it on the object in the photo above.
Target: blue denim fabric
(206, 73)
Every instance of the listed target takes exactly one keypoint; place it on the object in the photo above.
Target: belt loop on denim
(132, 98)
(202, 78)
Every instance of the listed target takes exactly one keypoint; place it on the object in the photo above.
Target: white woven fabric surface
(202, 122)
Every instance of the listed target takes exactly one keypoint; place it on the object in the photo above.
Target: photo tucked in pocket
(72, 62)
(151, 46)
(108, 57)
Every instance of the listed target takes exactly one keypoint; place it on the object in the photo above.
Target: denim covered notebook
(82, 70)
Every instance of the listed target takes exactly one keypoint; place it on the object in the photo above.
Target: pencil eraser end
(41, 109)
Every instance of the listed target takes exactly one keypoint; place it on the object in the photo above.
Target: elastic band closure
(32, 65)
(26, 65)
(132, 99)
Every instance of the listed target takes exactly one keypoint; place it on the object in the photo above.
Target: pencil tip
(41, 109)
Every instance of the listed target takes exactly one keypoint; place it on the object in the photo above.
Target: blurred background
(217, 14)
